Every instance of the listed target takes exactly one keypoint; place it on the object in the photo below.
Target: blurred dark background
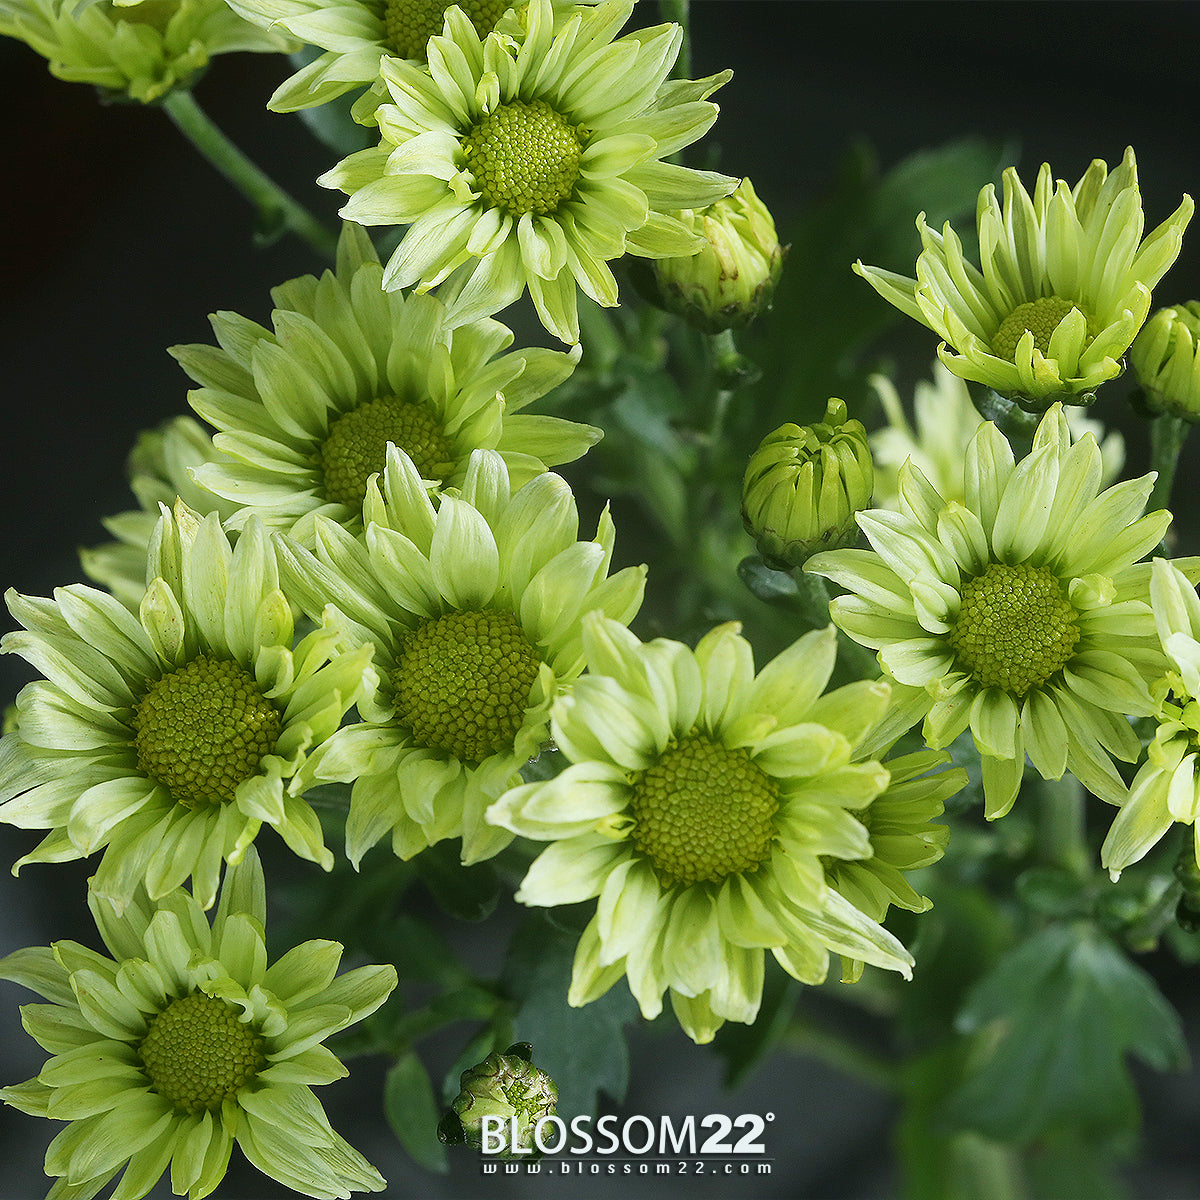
(118, 240)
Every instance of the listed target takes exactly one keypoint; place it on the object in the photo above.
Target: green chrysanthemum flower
(474, 608)
(702, 805)
(1166, 788)
(531, 161)
(138, 50)
(168, 739)
(1166, 356)
(945, 423)
(355, 35)
(307, 411)
(1022, 612)
(1064, 285)
(902, 839)
(184, 1042)
(160, 470)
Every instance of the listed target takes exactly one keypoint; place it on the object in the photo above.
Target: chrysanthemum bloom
(168, 739)
(1167, 786)
(138, 50)
(355, 35)
(532, 161)
(1166, 356)
(701, 807)
(160, 470)
(945, 423)
(307, 411)
(902, 839)
(1023, 611)
(1063, 288)
(186, 1041)
(474, 609)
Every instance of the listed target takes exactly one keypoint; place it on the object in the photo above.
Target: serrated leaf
(413, 1113)
(1063, 1010)
(582, 1049)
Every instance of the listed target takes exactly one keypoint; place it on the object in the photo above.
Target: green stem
(802, 1037)
(1167, 435)
(677, 11)
(1061, 827)
(276, 209)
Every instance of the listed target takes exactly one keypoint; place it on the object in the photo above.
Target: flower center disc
(203, 729)
(197, 1053)
(525, 157)
(703, 812)
(355, 447)
(462, 683)
(1042, 317)
(1015, 627)
(409, 24)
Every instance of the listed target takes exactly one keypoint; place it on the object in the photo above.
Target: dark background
(117, 241)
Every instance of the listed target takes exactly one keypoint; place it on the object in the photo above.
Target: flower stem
(1061, 827)
(804, 1037)
(277, 211)
(677, 11)
(1167, 435)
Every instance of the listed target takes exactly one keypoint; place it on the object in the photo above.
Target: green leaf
(413, 1113)
(768, 585)
(468, 893)
(1055, 1019)
(582, 1049)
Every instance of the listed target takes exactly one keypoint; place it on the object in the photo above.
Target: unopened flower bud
(731, 280)
(1166, 355)
(506, 1086)
(803, 486)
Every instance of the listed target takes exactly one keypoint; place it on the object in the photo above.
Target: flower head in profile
(306, 410)
(531, 161)
(140, 51)
(1022, 612)
(185, 1041)
(944, 422)
(159, 469)
(701, 808)
(355, 35)
(167, 739)
(474, 610)
(1166, 788)
(1062, 288)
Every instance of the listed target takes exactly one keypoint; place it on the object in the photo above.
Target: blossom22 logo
(635, 1136)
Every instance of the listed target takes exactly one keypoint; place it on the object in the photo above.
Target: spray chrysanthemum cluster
(354, 604)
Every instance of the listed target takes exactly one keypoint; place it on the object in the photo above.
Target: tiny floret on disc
(703, 812)
(197, 1053)
(203, 729)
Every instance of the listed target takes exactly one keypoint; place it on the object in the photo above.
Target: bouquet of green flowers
(360, 625)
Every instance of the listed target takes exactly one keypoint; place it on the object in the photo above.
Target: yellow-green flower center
(197, 1053)
(703, 812)
(462, 682)
(1041, 317)
(524, 157)
(409, 24)
(355, 447)
(1015, 627)
(203, 729)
